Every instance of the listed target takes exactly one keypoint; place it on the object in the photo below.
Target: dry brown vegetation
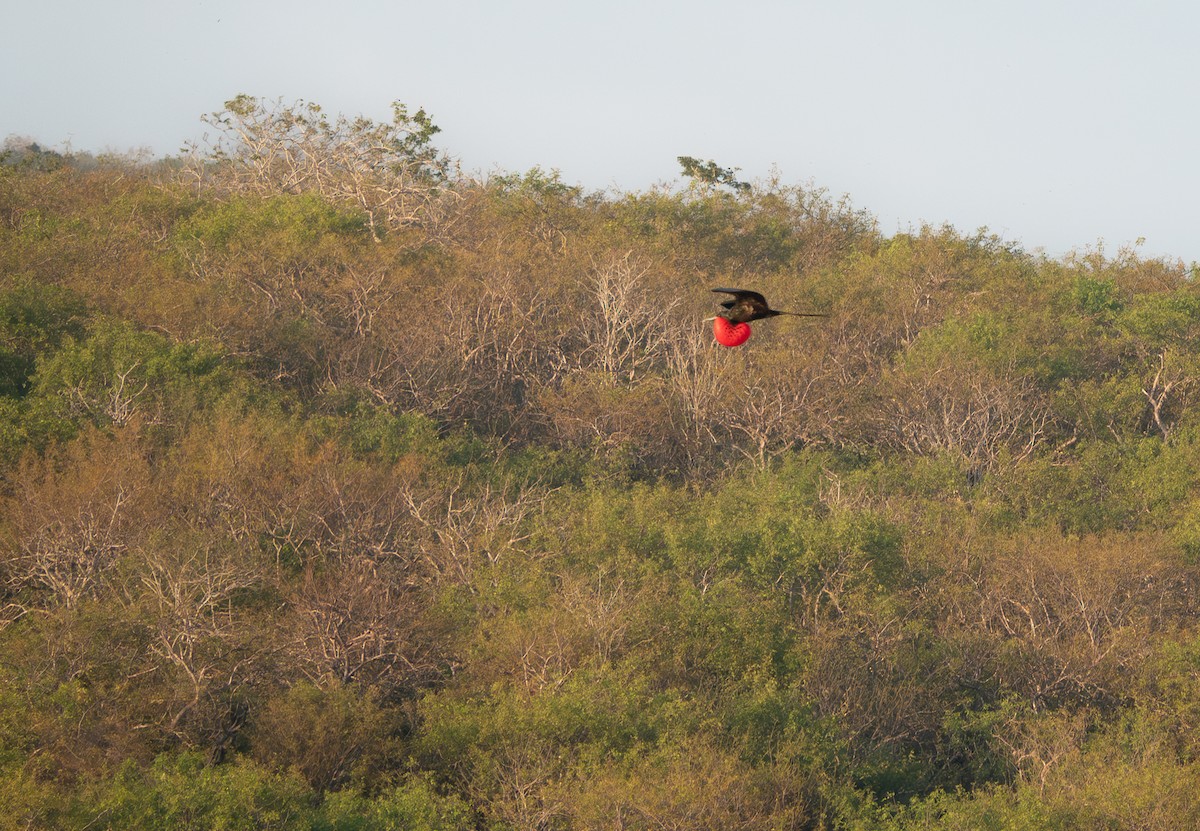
(341, 490)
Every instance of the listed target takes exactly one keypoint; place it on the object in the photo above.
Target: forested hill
(342, 490)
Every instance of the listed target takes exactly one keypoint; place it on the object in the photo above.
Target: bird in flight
(750, 305)
(732, 326)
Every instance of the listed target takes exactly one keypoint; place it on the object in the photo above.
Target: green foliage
(414, 806)
(369, 429)
(179, 791)
(708, 173)
(1096, 297)
(328, 736)
(34, 320)
(286, 226)
(118, 374)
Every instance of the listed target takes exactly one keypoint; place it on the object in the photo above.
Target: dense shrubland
(341, 490)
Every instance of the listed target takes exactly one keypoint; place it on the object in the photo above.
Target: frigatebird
(732, 326)
(750, 305)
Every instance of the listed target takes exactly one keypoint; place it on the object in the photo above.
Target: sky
(1060, 125)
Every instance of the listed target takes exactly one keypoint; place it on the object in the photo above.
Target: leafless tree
(962, 410)
(391, 172)
(361, 622)
(1070, 617)
(71, 519)
(200, 627)
(1167, 391)
(458, 529)
(1038, 742)
(628, 323)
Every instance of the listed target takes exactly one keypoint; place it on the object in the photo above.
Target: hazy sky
(1055, 123)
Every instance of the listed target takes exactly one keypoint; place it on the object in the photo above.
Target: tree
(709, 174)
(363, 623)
(72, 519)
(199, 601)
(391, 172)
(327, 734)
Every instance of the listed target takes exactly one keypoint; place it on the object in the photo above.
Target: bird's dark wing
(745, 294)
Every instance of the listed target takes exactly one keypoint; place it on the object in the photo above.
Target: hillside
(341, 490)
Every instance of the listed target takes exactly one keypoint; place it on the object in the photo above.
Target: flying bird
(732, 326)
(750, 305)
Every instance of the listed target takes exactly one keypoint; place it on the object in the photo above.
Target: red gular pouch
(730, 334)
